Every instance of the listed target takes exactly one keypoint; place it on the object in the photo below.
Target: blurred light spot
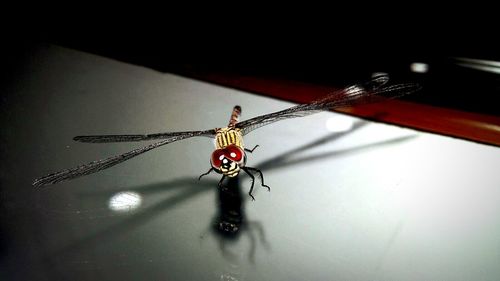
(492, 69)
(124, 201)
(339, 123)
(419, 67)
(486, 126)
(483, 65)
(479, 62)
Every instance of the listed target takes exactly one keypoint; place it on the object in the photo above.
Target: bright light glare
(492, 69)
(483, 65)
(339, 123)
(419, 67)
(476, 61)
(124, 201)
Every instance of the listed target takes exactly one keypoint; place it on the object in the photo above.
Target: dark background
(322, 52)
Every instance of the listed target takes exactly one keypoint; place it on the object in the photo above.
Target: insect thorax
(227, 136)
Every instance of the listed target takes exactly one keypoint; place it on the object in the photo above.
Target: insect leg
(261, 176)
(253, 181)
(251, 150)
(209, 171)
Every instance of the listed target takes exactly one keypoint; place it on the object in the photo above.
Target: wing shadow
(192, 187)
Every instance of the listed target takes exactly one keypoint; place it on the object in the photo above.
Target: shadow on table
(231, 216)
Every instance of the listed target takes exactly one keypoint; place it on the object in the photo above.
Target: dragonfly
(230, 155)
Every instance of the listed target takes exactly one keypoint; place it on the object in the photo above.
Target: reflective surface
(361, 201)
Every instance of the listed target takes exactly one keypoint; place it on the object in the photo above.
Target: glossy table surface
(350, 199)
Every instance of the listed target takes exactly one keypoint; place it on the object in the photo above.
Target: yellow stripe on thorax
(227, 136)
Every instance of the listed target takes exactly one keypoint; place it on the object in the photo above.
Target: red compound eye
(234, 153)
(231, 152)
(217, 157)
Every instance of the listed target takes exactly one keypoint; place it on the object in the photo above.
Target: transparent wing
(130, 138)
(373, 91)
(102, 164)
